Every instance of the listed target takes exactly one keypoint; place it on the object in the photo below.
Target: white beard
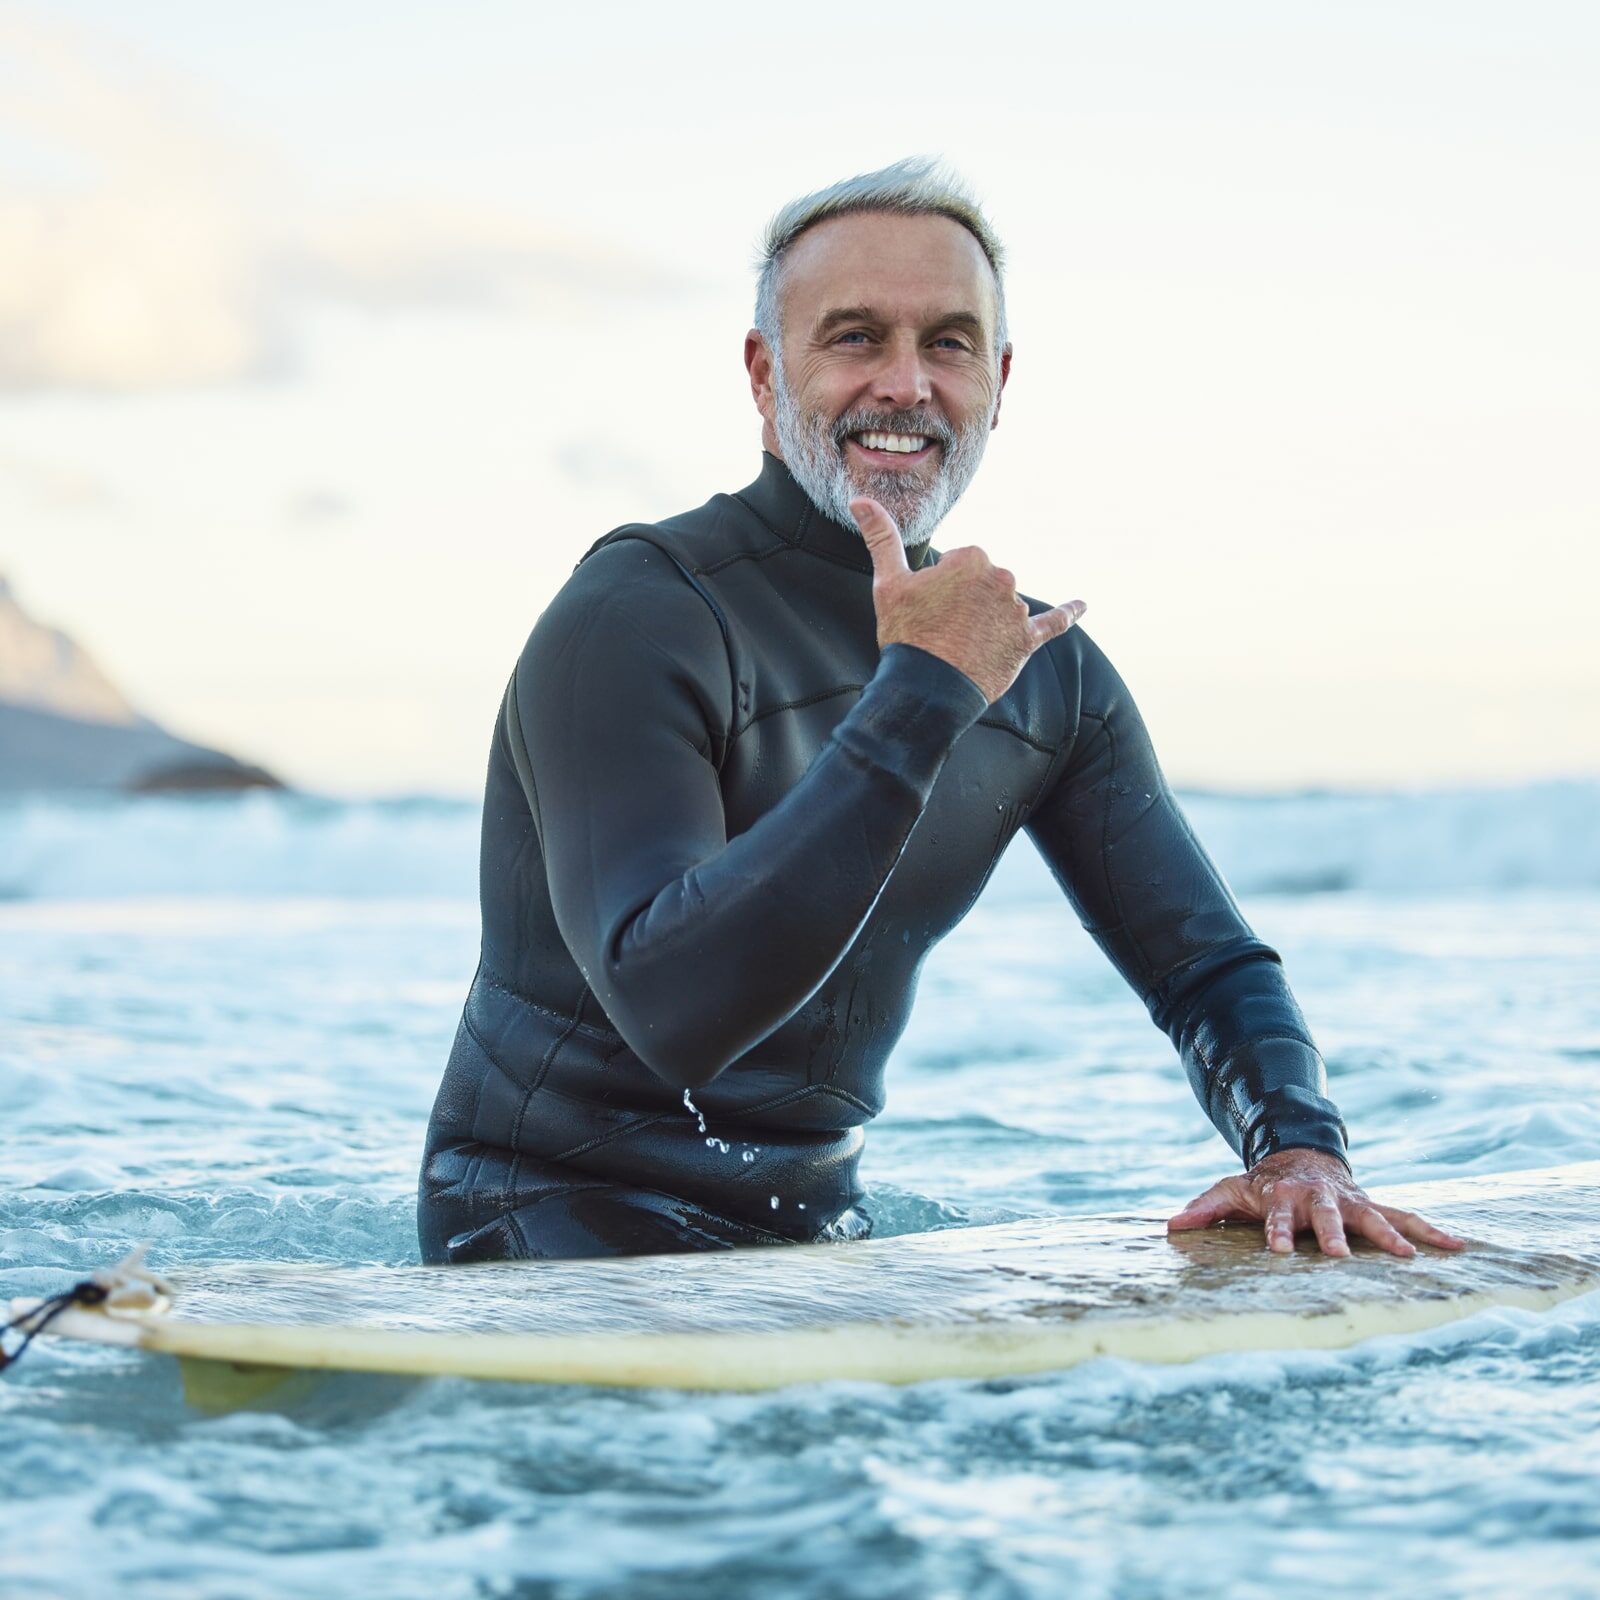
(813, 450)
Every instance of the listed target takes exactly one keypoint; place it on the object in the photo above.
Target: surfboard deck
(986, 1302)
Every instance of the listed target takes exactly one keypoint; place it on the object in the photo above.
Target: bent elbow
(684, 1072)
(684, 1055)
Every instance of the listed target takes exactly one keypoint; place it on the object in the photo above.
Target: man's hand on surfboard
(1294, 1191)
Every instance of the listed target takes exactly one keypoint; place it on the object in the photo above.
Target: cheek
(825, 386)
(971, 397)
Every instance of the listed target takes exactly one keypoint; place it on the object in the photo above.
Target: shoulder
(627, 624)
(631, 576)
(1090, 685)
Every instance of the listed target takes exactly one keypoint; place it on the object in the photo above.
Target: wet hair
(919, 186)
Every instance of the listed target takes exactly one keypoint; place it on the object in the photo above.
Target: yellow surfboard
(1008, 1300)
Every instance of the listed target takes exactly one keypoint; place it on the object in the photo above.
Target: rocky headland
(65, 726)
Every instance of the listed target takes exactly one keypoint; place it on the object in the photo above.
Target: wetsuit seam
(846, 1096)
(795, 705)
(510, 1217)
(1060, 753)
(691, 574)
(997, 723)
(712, 568)
(587, 1028)
(611, 1137)
(489, 1056)
(565, 1192)
(1002, 838)
(788, 1097)
(545, 1065)
(787, 543)
(466, 1023)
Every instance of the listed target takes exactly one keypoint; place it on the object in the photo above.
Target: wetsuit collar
(787, 510)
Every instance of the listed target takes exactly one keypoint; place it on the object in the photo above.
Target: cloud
(143, 245)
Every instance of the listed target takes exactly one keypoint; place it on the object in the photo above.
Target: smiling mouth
(874, 443)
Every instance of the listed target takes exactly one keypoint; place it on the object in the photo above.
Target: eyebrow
(841, 315)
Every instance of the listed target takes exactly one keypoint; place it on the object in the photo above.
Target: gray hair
(919, 186)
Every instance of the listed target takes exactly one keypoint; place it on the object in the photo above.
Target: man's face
(889, 382)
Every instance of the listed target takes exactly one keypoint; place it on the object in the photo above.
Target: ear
(1005, 372)
(758, 363)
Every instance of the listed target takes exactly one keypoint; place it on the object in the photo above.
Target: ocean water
(221, 1027)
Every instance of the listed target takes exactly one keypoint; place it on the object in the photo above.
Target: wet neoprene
(720, 834)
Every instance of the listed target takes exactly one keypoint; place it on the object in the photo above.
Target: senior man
(757, 759)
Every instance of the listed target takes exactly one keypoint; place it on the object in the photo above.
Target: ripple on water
(245, 1085)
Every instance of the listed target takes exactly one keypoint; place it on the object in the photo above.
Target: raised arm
(696, 945)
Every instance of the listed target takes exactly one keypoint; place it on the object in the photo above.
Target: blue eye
(855, 333)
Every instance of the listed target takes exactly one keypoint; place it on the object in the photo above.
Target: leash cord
(32, 1322)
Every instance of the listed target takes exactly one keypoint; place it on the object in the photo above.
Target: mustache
(863, 420)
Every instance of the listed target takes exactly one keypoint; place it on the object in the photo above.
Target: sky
(332, 336)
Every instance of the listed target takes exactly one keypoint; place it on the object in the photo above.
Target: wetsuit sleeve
(697, 945)
(1120, 846)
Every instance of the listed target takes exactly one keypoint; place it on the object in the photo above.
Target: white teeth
(901, 443)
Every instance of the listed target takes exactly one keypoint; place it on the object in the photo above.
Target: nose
(900, 380)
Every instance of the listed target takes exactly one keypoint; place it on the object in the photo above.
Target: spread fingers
(1328, 1220)
(1418, 1229)
(1371, 1222)
(1280, 1228)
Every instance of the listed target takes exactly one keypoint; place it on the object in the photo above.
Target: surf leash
(128, 1286)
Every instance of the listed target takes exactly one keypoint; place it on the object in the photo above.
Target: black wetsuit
(721, 833)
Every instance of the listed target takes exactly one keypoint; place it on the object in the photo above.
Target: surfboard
(985, 1302)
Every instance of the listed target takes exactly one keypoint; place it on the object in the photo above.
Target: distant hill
(65, 725)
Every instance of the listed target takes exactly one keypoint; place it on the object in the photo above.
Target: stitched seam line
(789, 1097)
(635, 1126)
(488, 1055)
(996, 723)
(795, 705)
(1017, 733)
(587, 1028)
(642, 534)
(1055, 766)
(544, 1067)
(787, 544)
(846, 1096)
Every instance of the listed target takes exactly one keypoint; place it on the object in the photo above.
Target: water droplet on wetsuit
(695, 1111)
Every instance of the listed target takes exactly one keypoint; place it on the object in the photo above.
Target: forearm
(723, 953)
(1119, 844)
(1251, 1060)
